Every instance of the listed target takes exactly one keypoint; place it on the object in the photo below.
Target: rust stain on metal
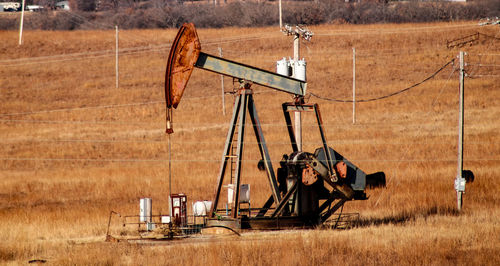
(183, 55)
(309, 176)
(341, 168)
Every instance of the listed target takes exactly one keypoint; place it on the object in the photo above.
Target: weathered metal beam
(266, 206)
(285, 199)
(333, 196)
(225, 154)
(239, 151)
(259, 135)
(323, 139)
(289, 126)
(332, 210)
(252, 74)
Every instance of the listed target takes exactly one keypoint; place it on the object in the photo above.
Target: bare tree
(107, 5)
(83, 5)
(49, 4)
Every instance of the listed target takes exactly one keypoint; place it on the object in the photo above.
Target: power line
(117, 105)
(388, 95)
(111, 52)
(406, 30)
(482, 75)
(82, 56)
(484, 65)
(191, 126)
(419, 130)
(83, 108)
(124, 160)
(366, 141)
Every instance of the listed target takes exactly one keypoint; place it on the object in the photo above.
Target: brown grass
(62, 171)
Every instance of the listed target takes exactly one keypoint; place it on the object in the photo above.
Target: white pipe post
(222, 87)
(460, 181)
(353, 85)
(116, 57)
(21, 24)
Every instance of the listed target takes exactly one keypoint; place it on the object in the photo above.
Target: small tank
(283, 67)
(299, 69)
(146, 210)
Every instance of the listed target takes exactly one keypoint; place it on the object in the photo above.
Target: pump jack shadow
(408, 216)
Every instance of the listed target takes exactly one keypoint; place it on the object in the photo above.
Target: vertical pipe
(116, 57)
(21, 24)
(169, 167)
(222, 87)
(353, 85)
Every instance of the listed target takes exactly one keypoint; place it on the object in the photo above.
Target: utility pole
(297, 33)
(298, 115)
(222, 87)
(353, 85)
(116, 57)
(460, 181)
(281, 16)
(21, 25)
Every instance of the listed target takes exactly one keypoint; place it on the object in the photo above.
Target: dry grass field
(73, 147)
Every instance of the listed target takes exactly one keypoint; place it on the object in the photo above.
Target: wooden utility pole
(353, 85)
(297, 33)
(298, 115)
(222, 87)
(21, 24)
(116, 57)
(460, 181)
(281, 16)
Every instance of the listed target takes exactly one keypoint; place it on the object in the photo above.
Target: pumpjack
(308, 187)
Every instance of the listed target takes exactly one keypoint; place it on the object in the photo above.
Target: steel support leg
(263, 149)
(225, 154)
(284, 200)
(239, 151)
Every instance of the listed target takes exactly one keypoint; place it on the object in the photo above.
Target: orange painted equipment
(183, 55)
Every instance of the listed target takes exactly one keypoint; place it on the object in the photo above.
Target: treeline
(171, 14)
